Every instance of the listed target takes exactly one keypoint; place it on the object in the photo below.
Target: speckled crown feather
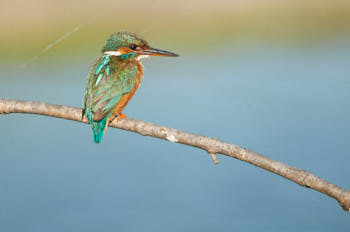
(123, 39)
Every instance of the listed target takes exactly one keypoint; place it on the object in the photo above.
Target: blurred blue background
(282, 94)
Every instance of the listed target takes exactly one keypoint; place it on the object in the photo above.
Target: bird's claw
(120, 116)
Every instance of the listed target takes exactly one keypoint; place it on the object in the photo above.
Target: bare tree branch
(211, 145)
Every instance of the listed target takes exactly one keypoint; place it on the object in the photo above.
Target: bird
(114, 78)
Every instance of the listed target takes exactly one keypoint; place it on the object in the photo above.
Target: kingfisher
(114, 79)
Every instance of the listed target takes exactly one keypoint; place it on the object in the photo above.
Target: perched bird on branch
(114, 78)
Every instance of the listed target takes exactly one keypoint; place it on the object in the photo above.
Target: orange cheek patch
(124, 50)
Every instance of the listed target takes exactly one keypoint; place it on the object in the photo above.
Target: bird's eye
(133, 46)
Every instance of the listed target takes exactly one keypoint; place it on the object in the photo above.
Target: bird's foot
(120, 116)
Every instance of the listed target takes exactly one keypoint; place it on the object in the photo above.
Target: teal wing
(108, 81)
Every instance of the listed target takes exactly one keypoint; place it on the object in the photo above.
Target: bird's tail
(99, 129)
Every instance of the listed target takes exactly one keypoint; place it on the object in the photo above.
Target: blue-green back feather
(102, 64)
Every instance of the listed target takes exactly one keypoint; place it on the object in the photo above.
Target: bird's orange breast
(126, 98)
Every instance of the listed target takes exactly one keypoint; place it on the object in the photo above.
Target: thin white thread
(48, 47)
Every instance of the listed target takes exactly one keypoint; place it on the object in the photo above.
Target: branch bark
(211, 145)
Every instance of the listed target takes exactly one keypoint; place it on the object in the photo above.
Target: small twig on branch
(210, 145)
(214, 157)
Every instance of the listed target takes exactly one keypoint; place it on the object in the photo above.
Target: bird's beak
(157, 52)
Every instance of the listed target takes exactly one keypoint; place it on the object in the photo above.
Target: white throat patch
(142, 57)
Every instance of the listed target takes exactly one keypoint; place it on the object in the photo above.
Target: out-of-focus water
(288, 103)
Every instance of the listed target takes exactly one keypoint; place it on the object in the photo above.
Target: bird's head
(129, 45)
